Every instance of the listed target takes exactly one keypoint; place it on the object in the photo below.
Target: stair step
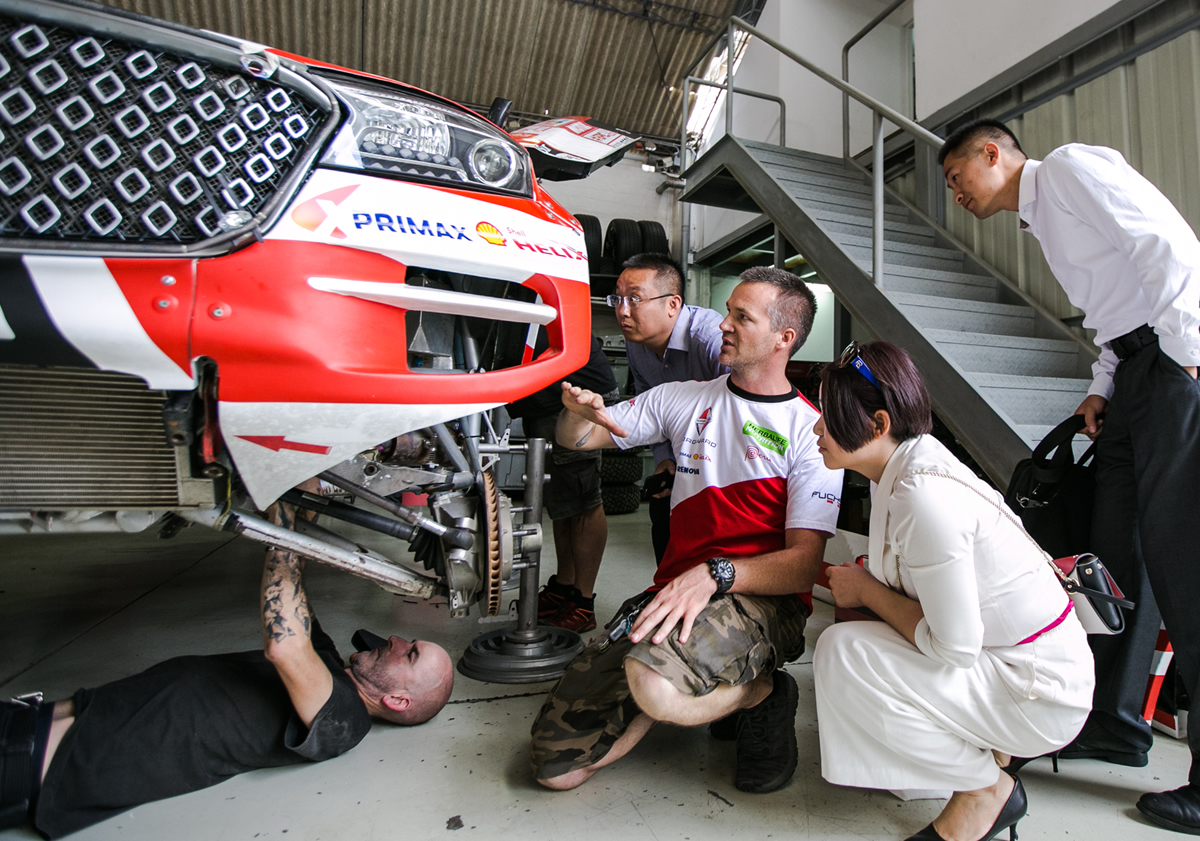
(861, 225)
(804, 179)
(1033, 400)
(777, 157)
(903, 254)
(990, 353)
(1034, 433)
(931, 312)
(821, 202)
(935, 252)
(758, 146)
(918, 281)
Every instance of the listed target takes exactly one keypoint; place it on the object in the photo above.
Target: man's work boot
(1178, 810)
(766, 739)
(552, 597)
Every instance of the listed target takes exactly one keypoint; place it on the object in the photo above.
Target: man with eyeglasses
(666, 341)
(752, 508)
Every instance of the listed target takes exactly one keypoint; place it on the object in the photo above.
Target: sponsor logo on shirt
(490, 233)
(694, 456)
(768, 438)
(706, 442)
(753, 452)
(703, 421)
(832, 499)
(683, 468)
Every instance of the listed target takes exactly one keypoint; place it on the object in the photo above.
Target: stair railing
(879, 112)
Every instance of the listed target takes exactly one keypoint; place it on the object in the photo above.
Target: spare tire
(654, 238)
(620, 470)
(593, 236)
(621, 499)
(622, 240)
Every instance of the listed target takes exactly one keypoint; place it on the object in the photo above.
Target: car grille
(109, 141)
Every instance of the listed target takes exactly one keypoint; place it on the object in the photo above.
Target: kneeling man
(752, 507)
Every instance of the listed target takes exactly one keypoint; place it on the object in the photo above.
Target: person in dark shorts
(192, 722)
(752, 507)
(568, 599)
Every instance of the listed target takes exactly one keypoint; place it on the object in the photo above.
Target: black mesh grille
(105, 140)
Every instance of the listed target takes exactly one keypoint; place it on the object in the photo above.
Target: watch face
(723, 569)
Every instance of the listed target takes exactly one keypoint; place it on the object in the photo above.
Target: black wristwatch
(721, 570)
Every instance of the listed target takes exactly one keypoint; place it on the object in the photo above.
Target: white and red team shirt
(747, 468)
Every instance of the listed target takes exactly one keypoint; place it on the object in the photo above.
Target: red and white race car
(227, 269)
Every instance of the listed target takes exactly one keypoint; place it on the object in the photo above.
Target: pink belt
(1052, 625)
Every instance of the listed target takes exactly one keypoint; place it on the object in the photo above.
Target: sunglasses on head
(852, 356)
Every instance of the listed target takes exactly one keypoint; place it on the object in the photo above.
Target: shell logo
(490, 233)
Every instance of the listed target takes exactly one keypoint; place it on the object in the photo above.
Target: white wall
(623, 191)
(816, 29)
(961, 44)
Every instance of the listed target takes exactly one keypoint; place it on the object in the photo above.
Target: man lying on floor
(751, 509)
(191, 722)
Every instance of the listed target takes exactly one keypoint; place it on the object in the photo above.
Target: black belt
(1133, 341)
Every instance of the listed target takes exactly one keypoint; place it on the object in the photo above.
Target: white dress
(892, 715)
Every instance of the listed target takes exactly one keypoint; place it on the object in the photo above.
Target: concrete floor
(83, 610)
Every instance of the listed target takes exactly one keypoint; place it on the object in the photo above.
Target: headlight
(390, 133)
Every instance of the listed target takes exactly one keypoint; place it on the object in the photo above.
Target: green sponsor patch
(768, 438)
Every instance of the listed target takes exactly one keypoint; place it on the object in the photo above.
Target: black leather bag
(1053, 494)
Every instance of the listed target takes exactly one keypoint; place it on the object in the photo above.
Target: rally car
(227, 269)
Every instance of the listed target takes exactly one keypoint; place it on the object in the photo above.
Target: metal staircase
(1001, 370)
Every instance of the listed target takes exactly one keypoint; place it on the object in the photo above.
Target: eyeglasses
(852, 356)
(615, 301)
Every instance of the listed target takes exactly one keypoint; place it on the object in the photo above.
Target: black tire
(654, 238)
(620, 470)
(593, 236)
(621, 499)
(622, 240)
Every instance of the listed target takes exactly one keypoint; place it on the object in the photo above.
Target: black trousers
(1147, 491)
(660, 526)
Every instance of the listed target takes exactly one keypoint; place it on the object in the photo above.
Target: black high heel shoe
(1014, 809)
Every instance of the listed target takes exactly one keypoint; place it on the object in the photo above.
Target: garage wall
(816, 29)
(623, 191)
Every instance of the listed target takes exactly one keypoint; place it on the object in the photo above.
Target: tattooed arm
(583, 423)
(287, 626)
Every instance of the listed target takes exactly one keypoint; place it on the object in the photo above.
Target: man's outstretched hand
(590, 406)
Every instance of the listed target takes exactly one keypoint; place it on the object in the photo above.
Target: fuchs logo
(753, 452)
(310, 214)
(703, 421)
(490, 233)
(832, 499)
(768, 438)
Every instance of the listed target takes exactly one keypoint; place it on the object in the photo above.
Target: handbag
(1096, 595)
(1088, 584)
(1053, 493)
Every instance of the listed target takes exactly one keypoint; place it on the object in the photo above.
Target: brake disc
(493, 566)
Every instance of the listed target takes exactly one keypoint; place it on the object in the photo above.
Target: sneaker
(766, 739)
(725, 729)
(578, 615)
(553, 597)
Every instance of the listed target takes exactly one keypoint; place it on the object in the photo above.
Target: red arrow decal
(280, 442)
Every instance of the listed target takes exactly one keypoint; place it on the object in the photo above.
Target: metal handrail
(858, 36)
(879, 112)
(696, 80)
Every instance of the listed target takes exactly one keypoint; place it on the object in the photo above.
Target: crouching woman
(979, 656)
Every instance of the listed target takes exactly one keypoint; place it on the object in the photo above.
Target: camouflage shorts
(734, 640)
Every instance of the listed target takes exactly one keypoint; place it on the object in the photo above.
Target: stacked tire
(623, 239)
(620, 481)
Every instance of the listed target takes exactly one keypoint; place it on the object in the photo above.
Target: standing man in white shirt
(667, 341)
(1127, 258)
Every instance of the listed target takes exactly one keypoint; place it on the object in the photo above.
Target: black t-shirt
(186, 724)
(596, 375)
